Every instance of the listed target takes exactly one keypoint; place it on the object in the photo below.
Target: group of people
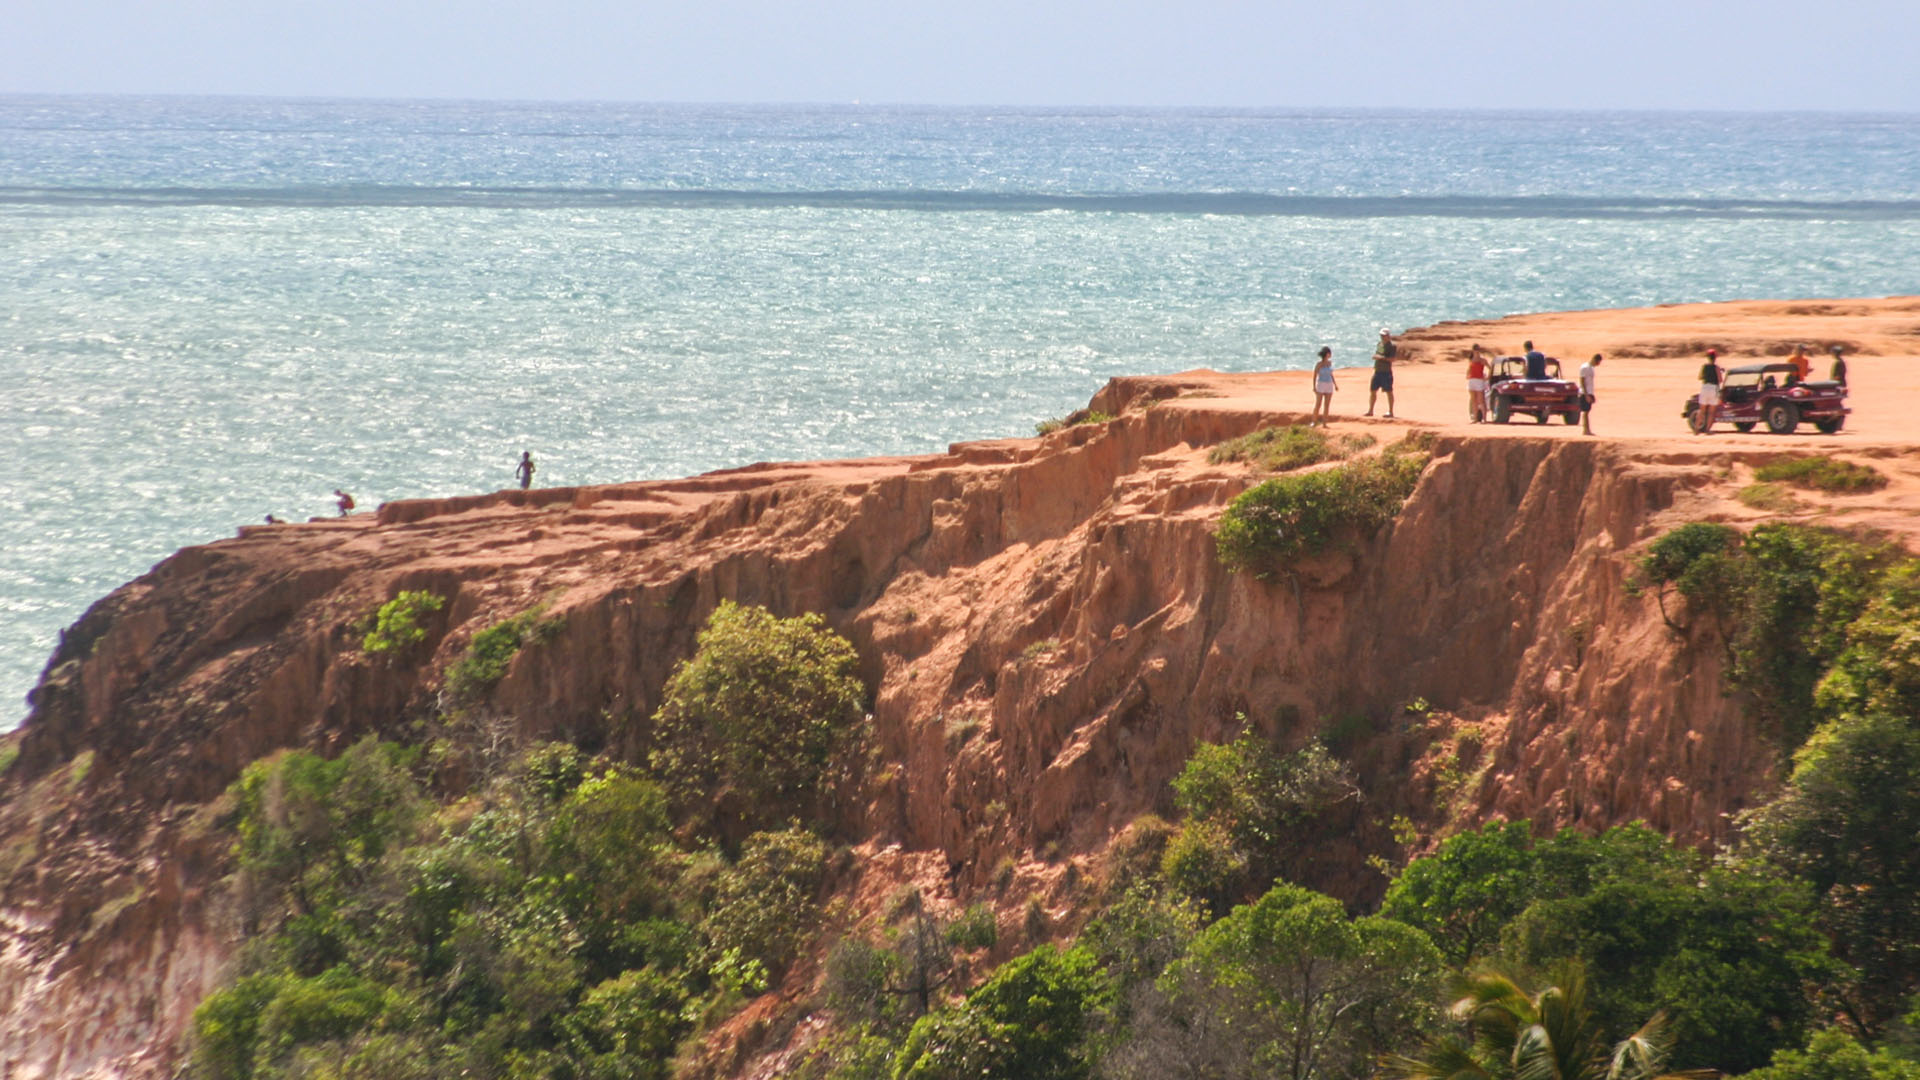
(522, 472)
(1478, 381)
(1713, 376)
(1324, 384)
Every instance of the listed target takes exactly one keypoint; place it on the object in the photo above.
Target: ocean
(218, 309)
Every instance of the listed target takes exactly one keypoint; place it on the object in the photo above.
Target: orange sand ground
(1653, 358)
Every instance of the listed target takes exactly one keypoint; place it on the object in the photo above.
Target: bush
(491, 650)
(1305, 513)
(1249, 810)
(767, 904)
(396, 626)
(764, 723)
(974, 929)
(1879, 670)
(1073, 419)
(1823, 473)
(1294, 446)
(626, 1028)
(1029, 1021)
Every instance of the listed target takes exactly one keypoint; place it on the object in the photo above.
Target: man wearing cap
(1383, 355)
(1710, 376)
(1839, 374)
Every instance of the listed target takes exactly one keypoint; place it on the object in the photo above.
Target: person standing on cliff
(1839, 373)
(1383, 355)
(344, 501)
(1710, 376)
(1323, 387)
(1588, 371)
(1476, 387)
(523, 472)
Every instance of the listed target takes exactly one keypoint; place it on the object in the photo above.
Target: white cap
(1384, 331)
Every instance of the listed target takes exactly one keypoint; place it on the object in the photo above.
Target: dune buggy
(1510, 391)
(1772, 394)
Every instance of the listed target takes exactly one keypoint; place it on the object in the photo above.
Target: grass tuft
(1772, 498)
(1821, 473)
(1294, 446)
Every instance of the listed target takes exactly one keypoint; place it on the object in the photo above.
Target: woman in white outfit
(1323, 387)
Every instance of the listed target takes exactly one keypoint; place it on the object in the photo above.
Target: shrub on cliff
(311, 830)
(1249, 810)
(1823, 473)
(1290, 446)
(1787, 598)
(1030, 1021)
(1848, 824)
(1305, 513)
(491, 650)
(764, 723)
(396, 626)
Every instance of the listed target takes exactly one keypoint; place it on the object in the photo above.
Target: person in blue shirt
(1536, 362)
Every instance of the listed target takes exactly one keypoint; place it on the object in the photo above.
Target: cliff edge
(1043, 624)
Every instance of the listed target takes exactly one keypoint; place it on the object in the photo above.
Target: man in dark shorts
(523, 472)
(1839, 372)
(1383, 355)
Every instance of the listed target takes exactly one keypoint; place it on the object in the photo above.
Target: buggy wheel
(1502, 410)
(1782, 417)
(1570, 418)
(1697, 420)
(1828, 427)
(1743, 425)
(1541, 417)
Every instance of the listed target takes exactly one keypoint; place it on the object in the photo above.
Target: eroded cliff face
(1044, 625)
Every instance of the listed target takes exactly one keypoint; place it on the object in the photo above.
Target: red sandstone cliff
(1043, 623)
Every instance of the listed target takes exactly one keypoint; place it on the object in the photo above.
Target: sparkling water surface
(217, 309)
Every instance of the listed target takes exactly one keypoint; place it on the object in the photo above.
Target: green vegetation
(583, 918)
(765, 723)
(396, 626)
(1515, 1035)
(485, 662)
(1075, 419)
(1304, 513)
(1248, 810)
(1773, 498)
(1822, 473)
(1789, 600)
(550, 922)
(1281, 448)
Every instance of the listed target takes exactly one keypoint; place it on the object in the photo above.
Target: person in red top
(1476, 386)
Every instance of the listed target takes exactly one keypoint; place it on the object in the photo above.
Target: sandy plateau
(1042, 621)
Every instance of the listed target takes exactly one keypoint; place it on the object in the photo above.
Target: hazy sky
(1722, 54)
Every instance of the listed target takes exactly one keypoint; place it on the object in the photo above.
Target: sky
(1618, 54)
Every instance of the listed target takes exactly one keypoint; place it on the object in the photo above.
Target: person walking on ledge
(1383, 355)
(1588, 371)
(1323, 387)
(524, 471)
(344, 502)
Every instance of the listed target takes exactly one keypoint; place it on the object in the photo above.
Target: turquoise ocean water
(219, 308)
